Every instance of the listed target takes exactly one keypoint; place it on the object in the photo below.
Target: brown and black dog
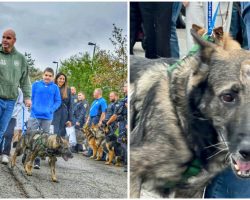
(94, 138)
(111, 147)
(37, 143)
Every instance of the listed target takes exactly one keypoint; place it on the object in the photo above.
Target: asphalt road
(80, 177)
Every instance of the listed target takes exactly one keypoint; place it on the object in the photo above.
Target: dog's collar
(193, 170)
(191, 52)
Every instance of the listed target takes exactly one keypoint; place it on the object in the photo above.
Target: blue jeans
(247, 24)
(93, 120)
(174, 46)
(6, 109)
(228, 185)
(237, 26)
(5, 146)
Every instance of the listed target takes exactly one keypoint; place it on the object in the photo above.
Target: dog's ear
(218, 32)
(206, 48)
(198, 29)
(58, 139)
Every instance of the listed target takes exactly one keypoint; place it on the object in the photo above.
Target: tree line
(106, 70)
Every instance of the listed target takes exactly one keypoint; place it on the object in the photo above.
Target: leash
(24, 125)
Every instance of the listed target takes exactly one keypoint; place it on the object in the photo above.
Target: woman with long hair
(63, 115)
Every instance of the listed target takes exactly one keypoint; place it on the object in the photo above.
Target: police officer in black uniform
(113, 98)
(120, 115)
(79, 118)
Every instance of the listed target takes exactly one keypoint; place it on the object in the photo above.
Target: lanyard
(211, 22)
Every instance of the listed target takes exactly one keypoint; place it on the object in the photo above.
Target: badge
(16, 63)
(2, 62)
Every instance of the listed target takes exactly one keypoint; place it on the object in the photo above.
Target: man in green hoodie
(13, 73)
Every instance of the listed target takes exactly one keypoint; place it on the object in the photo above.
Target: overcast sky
(55, 31)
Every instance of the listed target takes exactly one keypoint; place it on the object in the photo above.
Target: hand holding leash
(27, 102)
(68, 124)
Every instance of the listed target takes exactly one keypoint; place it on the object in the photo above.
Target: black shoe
(79, 148)
(125, 168)
(36, 166)
(37, 163)
(73, 149)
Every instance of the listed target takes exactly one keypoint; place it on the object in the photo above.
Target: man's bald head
(11, 32)
(8, 40)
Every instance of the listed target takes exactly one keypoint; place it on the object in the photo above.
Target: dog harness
(43, 147)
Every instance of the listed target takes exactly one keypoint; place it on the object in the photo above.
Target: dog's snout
(245, 153)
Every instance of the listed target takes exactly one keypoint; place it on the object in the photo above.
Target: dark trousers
(59, 121)
(135, 24)
(156, 19)
(5, 145)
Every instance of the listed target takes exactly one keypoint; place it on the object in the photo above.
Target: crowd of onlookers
(157, 21)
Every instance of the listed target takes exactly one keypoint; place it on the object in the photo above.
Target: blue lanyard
(211, 22)
(209, 16)
(24, 128)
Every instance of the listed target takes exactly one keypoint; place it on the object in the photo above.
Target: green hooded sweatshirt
(13, 74)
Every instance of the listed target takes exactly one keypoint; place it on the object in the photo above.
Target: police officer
(96, 113)
(73, 96)
(113, 98)
(120, 115)
(98, 109)
(79, 118)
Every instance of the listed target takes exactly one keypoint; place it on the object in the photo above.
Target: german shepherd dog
(37, 143)
(111, 147)
(94, 138)
(199, 112)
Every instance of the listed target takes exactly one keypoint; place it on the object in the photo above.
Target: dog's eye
(228, 98)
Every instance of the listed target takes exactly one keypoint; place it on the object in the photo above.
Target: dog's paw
(29, 173)
(92, 157)
(97, 159)
(55, 180)
(107, 163)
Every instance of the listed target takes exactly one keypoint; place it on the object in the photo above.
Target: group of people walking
(50, 101)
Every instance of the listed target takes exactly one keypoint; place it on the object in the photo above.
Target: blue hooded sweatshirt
(46, 99)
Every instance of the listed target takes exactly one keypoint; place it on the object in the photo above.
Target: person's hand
(185, 3)
(27, 103)
(68, 124)
(77, 124)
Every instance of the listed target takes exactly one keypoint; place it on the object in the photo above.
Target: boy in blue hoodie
(46, 99)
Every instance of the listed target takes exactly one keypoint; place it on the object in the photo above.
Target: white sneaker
(5, 159)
